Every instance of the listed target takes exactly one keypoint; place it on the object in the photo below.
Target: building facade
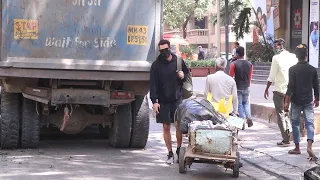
(294, 21)
(204, 33)
(299, 23)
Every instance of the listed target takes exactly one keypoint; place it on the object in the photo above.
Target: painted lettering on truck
(69, 42)
(25, 29)
(86, 2)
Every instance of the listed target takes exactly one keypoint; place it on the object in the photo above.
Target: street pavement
(256, 90)
(259, 142)
(87, 157)
(259, 148)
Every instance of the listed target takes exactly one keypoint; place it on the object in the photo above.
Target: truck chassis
(119, 107)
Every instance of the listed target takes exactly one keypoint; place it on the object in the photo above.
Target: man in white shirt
(279, 75)
(236, 45)
(221, 85)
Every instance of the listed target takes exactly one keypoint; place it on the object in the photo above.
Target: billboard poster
(276, 18)
(314, 33)
(296, 24)
(264, 12)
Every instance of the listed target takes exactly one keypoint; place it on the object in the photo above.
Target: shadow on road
(88, 156)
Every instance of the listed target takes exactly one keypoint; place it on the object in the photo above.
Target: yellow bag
(221, 106)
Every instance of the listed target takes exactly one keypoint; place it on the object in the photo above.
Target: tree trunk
(184, 26)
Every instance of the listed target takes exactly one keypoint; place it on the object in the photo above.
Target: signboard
(276, 19)
(296, 24)
(25, 29)
(137, 35)
(314, 33)
(265, 17)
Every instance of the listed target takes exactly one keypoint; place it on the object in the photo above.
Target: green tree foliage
(239, 15)
(240, 12)
(177, 13)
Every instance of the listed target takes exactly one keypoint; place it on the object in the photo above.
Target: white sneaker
(170, 159)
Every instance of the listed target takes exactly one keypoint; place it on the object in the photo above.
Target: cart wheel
(182, 162)
(236, 167)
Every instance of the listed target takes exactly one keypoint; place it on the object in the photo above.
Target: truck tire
(30, 125)
(140, 122)
(120, 132)
(10, 120)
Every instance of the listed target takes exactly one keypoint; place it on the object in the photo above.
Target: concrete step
(257, 81)
(261, 72)
(260, 77)
(261, 63)
(267, 68)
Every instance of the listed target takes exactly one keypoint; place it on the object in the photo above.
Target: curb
(272, 173)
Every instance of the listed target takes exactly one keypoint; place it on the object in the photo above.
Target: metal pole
(227, 29)
(218, 29)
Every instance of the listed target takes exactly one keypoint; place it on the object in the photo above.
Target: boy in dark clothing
(303, 78)
(166, 92)
(242, 71)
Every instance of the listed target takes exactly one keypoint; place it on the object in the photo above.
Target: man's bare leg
(178, 135)
(167, 136)
(167, 140)
(312, 156)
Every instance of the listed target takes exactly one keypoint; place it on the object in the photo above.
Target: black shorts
(167, 110)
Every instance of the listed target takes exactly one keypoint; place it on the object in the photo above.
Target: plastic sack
(235, 122)
(197, 109)
(312, 174)
(223, 106)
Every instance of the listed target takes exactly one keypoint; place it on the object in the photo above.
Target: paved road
(256, 90)
(87, 157)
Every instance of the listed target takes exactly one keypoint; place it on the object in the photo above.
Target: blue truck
(77, 63)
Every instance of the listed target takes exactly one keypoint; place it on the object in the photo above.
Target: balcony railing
(195, 36)
(198, 32)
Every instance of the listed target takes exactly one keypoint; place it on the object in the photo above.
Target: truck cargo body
(74, 63)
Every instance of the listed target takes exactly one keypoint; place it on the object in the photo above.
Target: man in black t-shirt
(303, 91)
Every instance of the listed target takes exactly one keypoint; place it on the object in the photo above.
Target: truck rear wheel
(120, 132)
(140, 122)
(10, 120)
(30, 124)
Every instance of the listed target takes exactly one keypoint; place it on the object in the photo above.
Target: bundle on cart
(197, 109)
(312, 174)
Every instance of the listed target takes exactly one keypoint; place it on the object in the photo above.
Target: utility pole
(227, 28)
(218, 29)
